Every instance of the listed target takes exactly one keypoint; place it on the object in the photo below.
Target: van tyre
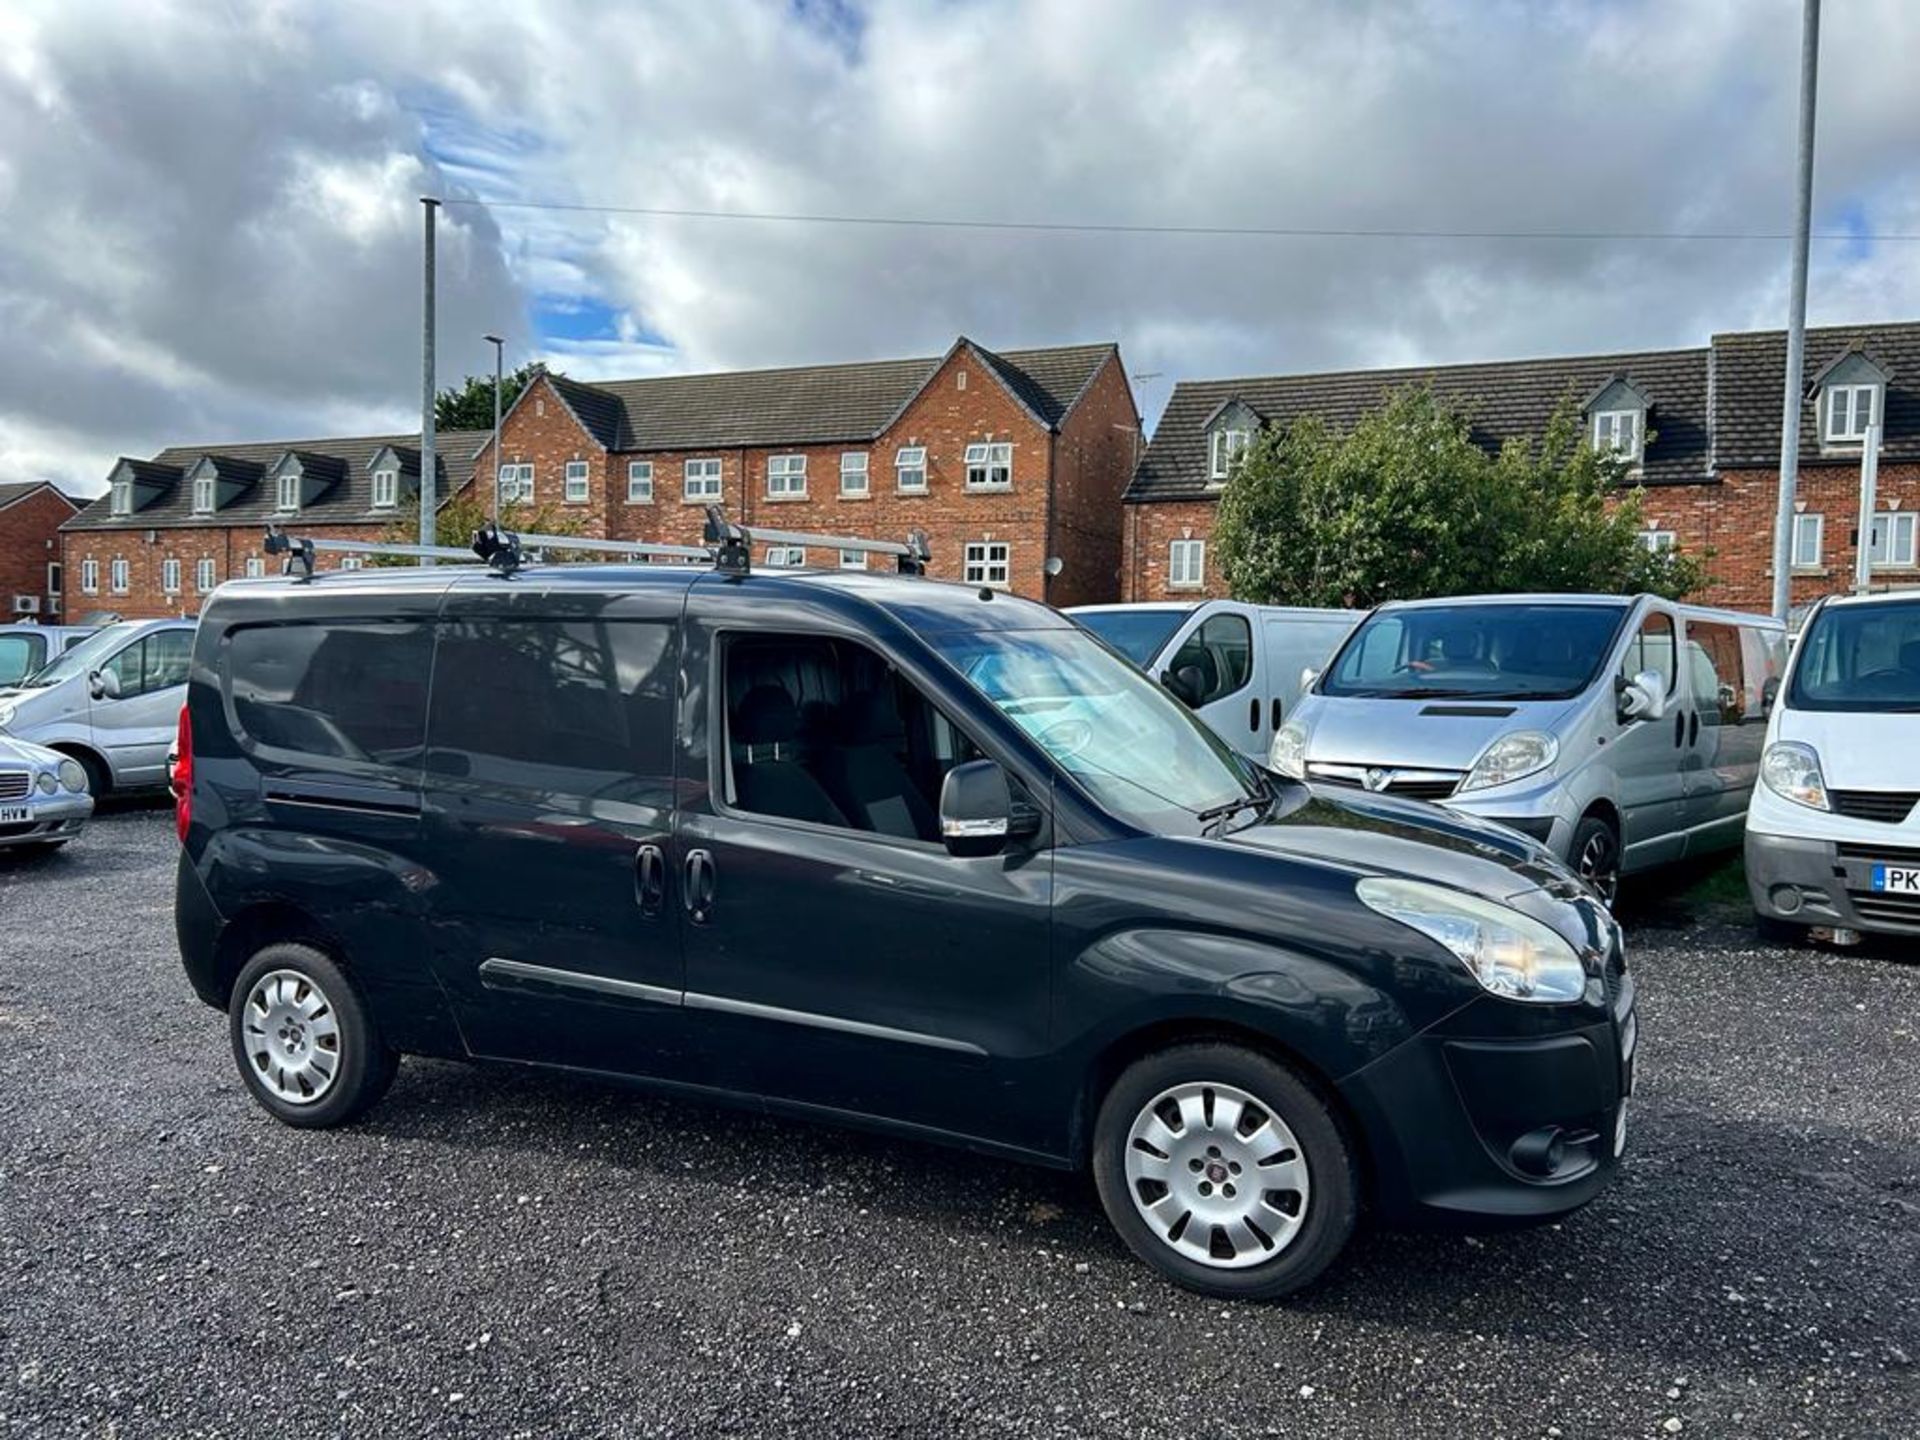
(1222, 1169)
(306, 1047)
(1595, 855)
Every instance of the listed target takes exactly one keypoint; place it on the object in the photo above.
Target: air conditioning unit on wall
(26, 604)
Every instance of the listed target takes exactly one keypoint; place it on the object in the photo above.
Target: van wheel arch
(99, 773)
(1112, 1062)
(269, 923)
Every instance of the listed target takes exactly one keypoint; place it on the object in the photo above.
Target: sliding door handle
(698, 891)
(649, 879)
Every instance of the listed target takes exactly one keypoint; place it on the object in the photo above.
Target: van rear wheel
(1224, 1171)
(305, 1044)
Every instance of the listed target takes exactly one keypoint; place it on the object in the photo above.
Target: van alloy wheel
(1216, 1175)
(292, 1037)
(1597, 858)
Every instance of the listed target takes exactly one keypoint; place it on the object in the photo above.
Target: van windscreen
(1137, 634)
(1860, 657)
(1507, 651)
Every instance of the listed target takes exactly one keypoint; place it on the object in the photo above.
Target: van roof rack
(728, 547)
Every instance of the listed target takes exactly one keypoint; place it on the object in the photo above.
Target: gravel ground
(504, 1253)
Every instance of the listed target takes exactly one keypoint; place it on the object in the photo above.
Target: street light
(498, 343)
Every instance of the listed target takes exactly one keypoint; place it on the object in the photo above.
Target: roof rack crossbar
(733, 544)
(611, 547)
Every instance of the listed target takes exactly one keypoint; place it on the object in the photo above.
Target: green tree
(1407, 505)
(465, 513)
(470, 406)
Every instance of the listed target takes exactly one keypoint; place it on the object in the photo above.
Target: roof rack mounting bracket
(499, 548)
(298, 551)
(914, 562)
(732, 545)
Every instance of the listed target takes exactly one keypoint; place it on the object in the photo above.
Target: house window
(1808, 535)
(853, 559)
(53, 578)
(1187, 564)
(786, 556)
(351, 562)
(853, 473)
(386, 489)
(1658, 540)
(910, 469)
(170, 576)
(117, 576)
(576, 491)
(256, 567)
(987, 563)
(287, 492)
(122, 502)
(1850, 410)
(1617, 432)
(203, 487)
(1891, 547)
(1226, 447)
(989, 466)
(700, 480)
(516, 483)
(639, 482)
(786, 476)
(89, 577)
(204, 578)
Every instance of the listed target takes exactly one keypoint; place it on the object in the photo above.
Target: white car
(1833, 830)
(43, 795)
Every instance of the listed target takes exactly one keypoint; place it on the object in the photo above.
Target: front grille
(1884, 854)
(14, 784)
(1888, 909)
(1385, 780)
(1889, 807)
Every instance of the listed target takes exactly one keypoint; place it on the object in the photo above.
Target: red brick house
(1010, 461)
(32, 585)
(1703, 427)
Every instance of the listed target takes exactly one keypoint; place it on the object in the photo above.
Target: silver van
(1622, 732)
(1237, 666)
(112, 702)
(27, 648)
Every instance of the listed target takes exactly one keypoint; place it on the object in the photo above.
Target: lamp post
(498, 370)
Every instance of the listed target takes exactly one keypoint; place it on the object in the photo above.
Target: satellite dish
(1055, 565)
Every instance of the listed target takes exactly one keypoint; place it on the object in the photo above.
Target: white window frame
(56, 575)
(910, 460)
(119, 575)
(854, 479)
(256, 567)
(206, 575)
(386, 489)
(1808, 524)
(89, 576)
(286, 494)
(1618, 432)
(704, 486)
(578, 482)
(1657, 540)
(853, 559)
(786, 557)
(516, 481)
(639, 482)
(990, 465)
(786, 477)
(352, 562)
(1847, 411)
(988, 563)
(1223, 448)
(1891, 539)
(121, 502)
(1186, 564)
(205, 492)
(170, 575)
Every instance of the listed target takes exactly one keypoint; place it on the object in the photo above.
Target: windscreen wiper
(1214, 818)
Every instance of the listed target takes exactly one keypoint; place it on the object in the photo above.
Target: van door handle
(1275, 712)
(1679, 729)
(1693, 728)
(1253, 714)
(699, 888)
(649, 879)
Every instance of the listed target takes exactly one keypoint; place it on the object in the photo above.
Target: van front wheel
(1596, 856)
(305, 1044)
(1224, 1171)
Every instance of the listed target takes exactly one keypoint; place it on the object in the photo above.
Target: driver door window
(127, 667)
(166, 659)
(1651, 649)
(1222, 651)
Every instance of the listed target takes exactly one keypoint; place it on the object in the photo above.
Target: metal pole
(1869, 501)
(429, 477)
(497, 343)
(1791, 400)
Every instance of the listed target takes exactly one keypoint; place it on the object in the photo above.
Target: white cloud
(232, 191)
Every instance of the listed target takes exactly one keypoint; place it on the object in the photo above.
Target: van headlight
(1512, 757)
(1792, 771)
(73, 775)
(1512, 955)
(1288, 754)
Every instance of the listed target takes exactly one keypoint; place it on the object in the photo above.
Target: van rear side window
(343, 690)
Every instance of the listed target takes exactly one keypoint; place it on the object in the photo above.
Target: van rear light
(180, 775)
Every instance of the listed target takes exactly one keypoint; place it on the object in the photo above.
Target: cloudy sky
(209, 226)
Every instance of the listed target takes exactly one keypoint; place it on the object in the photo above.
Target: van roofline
(1697, 612)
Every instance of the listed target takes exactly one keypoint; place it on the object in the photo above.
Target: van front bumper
(1540, 812)
(49, 818)
(1829, 883)
(1469, 1126)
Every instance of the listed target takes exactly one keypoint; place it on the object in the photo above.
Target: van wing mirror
(1307, 677)
(1644, 697)
(978, 814)
(103, 685)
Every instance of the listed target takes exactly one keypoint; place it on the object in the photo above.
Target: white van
(1833, 832)
(1239, 667)
(1620, 731)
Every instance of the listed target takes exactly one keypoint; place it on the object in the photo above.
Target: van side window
(348, 690)
(166, 661)
(128, 666)
(579, 707)
(1222, 651)
(1651, 649)
(1718, 673)
(826, 731)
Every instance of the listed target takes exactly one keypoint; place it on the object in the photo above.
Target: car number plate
(1896, 879)
(14, 814)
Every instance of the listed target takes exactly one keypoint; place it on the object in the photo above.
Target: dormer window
(1618, 432)
(287, 491)
(1224, 448)
(203, 494)
(1850, 394)
(122, 501)
(1849, 410)
(386, 489)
